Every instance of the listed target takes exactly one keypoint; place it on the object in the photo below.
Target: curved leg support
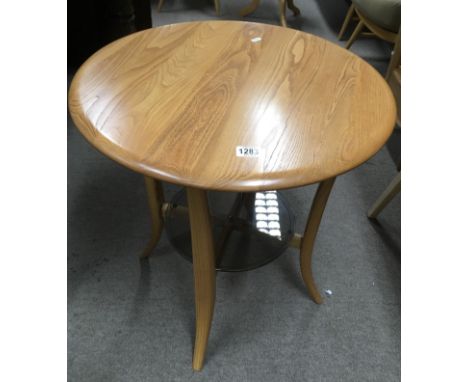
(252, 7)
(307, 242)
(204, 271)
(155, 200)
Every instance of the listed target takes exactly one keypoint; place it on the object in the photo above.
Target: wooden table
(231, 106)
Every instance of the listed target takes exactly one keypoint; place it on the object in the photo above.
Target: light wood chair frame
(363, 21)
(252, 7)
(386, 197)
(203, 251)
(393, 77)
(216, 4)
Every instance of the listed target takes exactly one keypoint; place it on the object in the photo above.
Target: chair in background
(386, 197)
(393, 78)
(216, 4)
(381, 17)
(250, 8)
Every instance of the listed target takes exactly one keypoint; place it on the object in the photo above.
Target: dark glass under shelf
(249, 229)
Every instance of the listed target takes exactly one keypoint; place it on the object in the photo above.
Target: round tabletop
(232, 106)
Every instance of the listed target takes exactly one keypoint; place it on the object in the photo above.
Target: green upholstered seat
(385, 13)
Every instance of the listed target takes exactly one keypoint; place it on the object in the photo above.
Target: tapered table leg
(307, 242)
(155, 200)
(204, 270)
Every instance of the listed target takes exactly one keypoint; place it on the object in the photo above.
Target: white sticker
(246, 151)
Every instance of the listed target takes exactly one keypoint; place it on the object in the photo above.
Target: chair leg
(307, 242)
(217, 7)
(296, 11)
(355, 34)
(395, 60)
(346, 21)
(204, 270)
(250, 8)
(282, 13)
(386, 196)
(160, 4)
(155, 201)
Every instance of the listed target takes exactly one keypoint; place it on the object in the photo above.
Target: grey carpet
(134, 321)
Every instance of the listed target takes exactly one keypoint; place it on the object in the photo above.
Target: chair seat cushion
(384, 13)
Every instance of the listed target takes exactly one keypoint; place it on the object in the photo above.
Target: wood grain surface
(175, 102)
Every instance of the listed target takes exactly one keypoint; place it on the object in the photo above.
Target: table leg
(155, 200)
(204, 270)
(307, 243)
